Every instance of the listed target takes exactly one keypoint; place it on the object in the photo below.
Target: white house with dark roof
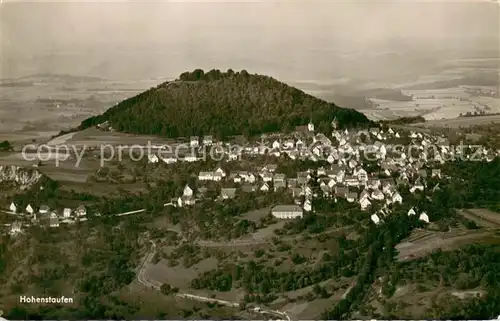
(168, 158)
(375, 219)
(289, 143)
(250, 178)
(67, 212)
(417, 186)
(194, 141)
(15, 228)
(397, 198)
(279, 185)
(220, 171)
(279, 177)
(13, 207)
(228, 193)
(365, 203)
(206, 176)
(351, 197)
(237, 178)
(361, 174)
(436, 172)
(207, 140)
(152, 158)
(307, 205)
(44, 209)
(81, 210)
(54, 222)
(424, 217)
(185, 201)
(29, 209)
(191, 157)
(267, 177)
(187, 191)
(272, 167)
(377, 195)
(287, 211)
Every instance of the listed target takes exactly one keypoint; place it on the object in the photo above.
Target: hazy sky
(154, 39)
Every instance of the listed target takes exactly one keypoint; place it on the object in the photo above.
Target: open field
(425, 244)
(482, 217)
(154, 304)
(57, 168)
(432, 108)
(55, 102)
(460, 122)
(178, 276)
(18, 139)
(310, 310)
(413, 301)
(95, 138)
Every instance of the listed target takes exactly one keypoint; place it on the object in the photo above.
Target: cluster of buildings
(366, 167)
(45, 216)
(350, 175)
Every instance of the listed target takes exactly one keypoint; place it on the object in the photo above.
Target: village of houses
(345, 177)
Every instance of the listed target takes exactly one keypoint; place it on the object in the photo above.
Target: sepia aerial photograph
(276, 160)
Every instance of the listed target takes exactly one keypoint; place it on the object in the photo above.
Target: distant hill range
(223, 104)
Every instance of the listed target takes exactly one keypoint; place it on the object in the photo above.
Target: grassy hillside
(222, 104)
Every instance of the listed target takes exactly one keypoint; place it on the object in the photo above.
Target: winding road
(141, 277)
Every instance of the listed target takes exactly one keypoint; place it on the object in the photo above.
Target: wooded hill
(223, 104)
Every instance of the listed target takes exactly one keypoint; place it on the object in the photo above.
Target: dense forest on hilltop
(223, 104)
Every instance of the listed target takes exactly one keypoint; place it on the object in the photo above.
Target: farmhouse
(81, 210)
(15, 228)
(424, 217)
(436, 173)
(191, 157)
(29, 209)
(187, 191)
(194, 141)
(54, 222)
(67, 212)
(287, 211)
(44, 209)
(217, 177)
(228, 193)
(307, 205)
(207, 140)
(396, 198)
(279, 185)
(205, 176)
(248, 188)
(375, 219)
(185, 200)
(267, 177)
(152, 158)
(169, 159)
(13, 208)
(221, 172)
(272, 167)
(365, 203)
(351, 197)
